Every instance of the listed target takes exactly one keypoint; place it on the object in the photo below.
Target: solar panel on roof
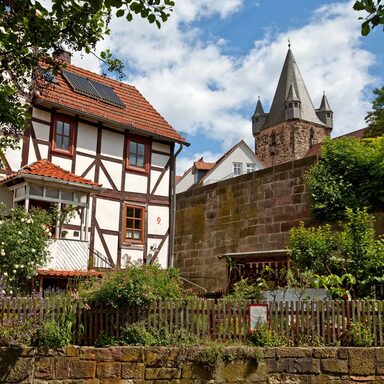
(107, 93)
(93, 88)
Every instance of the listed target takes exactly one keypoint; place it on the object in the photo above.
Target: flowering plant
(24, 238)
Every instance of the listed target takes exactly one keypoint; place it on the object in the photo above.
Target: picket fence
(298, 321)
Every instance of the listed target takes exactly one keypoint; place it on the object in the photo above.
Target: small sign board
(258, 314)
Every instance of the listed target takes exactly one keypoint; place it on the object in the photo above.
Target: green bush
(263, 336)
(137, 334)
(352, 251)
(53, 334)
(135, 285)
(24, 238)
(359, 336)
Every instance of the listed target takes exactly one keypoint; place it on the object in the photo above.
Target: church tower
(292, 125)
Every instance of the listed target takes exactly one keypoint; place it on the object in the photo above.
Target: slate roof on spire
(292, 94)
(259, 108)
(324, 105)
(290, 75)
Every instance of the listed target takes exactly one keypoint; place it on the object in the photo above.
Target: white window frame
(237, 168)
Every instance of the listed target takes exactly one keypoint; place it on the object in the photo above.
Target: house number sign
(158, 220)
(258, 314)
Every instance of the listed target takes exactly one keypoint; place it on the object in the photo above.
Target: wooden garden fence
(297, 321)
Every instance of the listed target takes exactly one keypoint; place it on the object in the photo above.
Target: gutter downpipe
(173, 215)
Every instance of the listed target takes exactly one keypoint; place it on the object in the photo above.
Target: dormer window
(63, 134)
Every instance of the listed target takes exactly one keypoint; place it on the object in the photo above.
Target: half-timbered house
(97, 146)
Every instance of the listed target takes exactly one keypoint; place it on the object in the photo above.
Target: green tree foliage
(352, 252)
(375, 17)
(134, 285)
(24, 238)
(350, 174)
(375, 118)
(31, 30)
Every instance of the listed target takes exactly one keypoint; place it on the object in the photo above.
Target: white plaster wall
(86, 138)
(31, 154)
(241, 155)
(112, 244)
(114, 171)
(155, 226)
(162, 256)
(185, 183)
(159, 160)
(41, 131)
(163, 188)
(40, 114)
(43, 150)
(107, 214)
(134, 255)
(112, 144)
(61, 162)
(82, 163)
(135, 182)
(161, 147)
(13, 157)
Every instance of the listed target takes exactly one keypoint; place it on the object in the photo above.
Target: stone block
(82, 369)
(61, 364)
(162, 373)
(98, 354)
(298, 365)
(131, 354)
(72, 351)
(195, 371)
(161, 357)
(334, 365)
(108, 370)
(132, 371)
(324, 353)
(44, 368)
(15, 369)
(362, 361)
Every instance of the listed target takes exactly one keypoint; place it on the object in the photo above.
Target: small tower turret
(258, 118)
(292, 105)
(325, 113)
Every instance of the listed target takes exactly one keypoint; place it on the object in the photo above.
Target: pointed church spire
(259, 117)
(290, 78)
(325, 113)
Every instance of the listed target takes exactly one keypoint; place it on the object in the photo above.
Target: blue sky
(205, 68)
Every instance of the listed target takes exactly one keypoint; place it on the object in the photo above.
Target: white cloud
(199, 88)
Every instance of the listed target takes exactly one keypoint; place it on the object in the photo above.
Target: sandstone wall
(293, 139)
(253, 212)
(131, 365)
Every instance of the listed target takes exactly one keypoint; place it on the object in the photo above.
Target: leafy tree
(30, 31)
(24, 239)
(375, 118)
(350, 173)
(375, 10)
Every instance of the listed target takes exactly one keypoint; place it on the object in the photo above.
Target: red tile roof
(56, 273)
(45, 168)
(137, 113)
(201, 165)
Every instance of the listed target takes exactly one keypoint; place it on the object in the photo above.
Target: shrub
(359, 336)
(136, 285)
(137, 334)
(24, 239)
(263, 336)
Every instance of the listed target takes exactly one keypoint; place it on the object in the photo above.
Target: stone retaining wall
(131, 365)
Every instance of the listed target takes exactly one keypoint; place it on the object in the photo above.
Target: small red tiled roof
(45, 168)
(137, 113)
(56, 273)
(201, 165)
